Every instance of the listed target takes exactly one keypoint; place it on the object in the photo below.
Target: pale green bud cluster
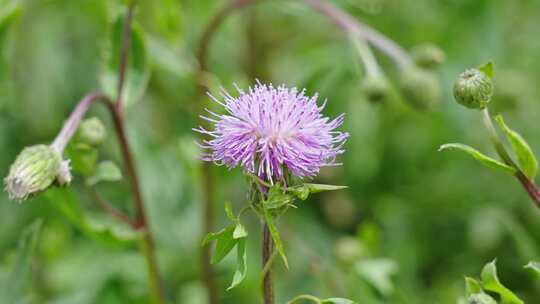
(420, 88)
(480, 298)
(473, 89)
(91, 131)
(34, 170)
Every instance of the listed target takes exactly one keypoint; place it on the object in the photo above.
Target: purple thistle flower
(269, 130)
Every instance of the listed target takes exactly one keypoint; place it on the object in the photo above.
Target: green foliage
(13, 290)
(535, 266)
(310, 298)
(526, 159)
(106, 171)
(138, 65)
(483, 159)
(491, 282)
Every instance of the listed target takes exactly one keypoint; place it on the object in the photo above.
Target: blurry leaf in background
(106, 171)
(83, 158)
(378, 273)
(13, 289)
(138, 65)
(491, 282)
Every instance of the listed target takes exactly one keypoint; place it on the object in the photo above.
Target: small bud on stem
(473, 89)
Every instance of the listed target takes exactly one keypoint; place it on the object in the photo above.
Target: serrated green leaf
(225, 243)
(472, 286)
(13, 290)
(241, 264)
(337, 301)
(483, 159)
(106, 171)
(138, 67)
(239, 231)
(487, 69)
(490, 281)
(526, 159)
(534, 266)
(275, 235)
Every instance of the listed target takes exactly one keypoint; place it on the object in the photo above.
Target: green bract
(473, 89)
(34, 169)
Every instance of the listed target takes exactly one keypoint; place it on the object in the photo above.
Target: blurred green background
(412, 224)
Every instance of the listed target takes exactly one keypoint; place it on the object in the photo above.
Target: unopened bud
(480, 298)
(428, 55)
(34, 170)
(473, 89)
(92, 131)
(375, 89)
(420, 88)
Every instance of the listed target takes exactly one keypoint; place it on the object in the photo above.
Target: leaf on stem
(473, 286)
(241, 264)
(487, 69)
(275, 235)
(526, 159)
(483, 159)
(138, 65)
(490, 281)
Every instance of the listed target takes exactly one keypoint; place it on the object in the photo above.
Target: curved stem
(72, 123)
(108, 208)
(124, 51)
(304, 297)
(267, 249)
(367, 57)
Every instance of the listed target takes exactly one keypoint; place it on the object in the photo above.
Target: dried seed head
(473, 89)
(34, 169)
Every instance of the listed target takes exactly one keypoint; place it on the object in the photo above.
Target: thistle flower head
(271, 131)
(34, 169)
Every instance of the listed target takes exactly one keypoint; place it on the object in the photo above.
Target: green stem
(267, 249)
(366, 55)
(154, 282)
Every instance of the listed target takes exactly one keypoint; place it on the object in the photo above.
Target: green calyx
(420, 88)
(480, 298)
(473, 89)
(34, 170)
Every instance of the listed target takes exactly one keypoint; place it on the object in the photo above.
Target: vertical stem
(208, 225)
(124, 52)
(141, 221)
(267, 247)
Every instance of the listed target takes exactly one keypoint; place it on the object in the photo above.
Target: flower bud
(480, 298)
(428, 55)
(92, 131)
(375, 89)
(34, 169)
(473, 89)
(420, 88)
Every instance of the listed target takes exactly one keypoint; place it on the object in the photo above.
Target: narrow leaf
(229, 212)
(490, 281)
(337, 301)
(534, 266)
(275, 235)
(241, 264)
(483, 159)
(526, 159)
(487, 69)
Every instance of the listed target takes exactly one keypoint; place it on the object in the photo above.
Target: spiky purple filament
(273, 129)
